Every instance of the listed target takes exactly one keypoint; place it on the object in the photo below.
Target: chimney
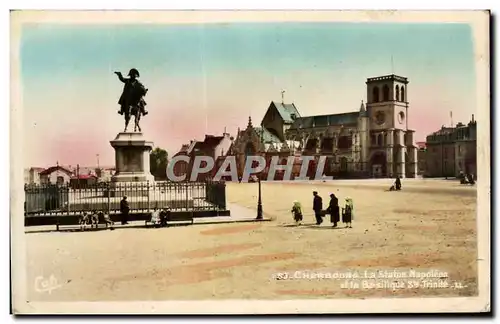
(472, 117)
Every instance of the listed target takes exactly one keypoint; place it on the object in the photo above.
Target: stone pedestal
(131, 158)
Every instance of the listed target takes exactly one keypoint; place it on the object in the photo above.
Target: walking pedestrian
(333, 210)
(318, 208)
(348, 212)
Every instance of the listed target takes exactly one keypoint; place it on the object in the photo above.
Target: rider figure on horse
(133, 93)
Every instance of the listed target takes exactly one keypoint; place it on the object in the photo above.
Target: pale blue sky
(202, 78)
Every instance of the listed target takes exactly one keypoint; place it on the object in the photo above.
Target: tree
(158, 160)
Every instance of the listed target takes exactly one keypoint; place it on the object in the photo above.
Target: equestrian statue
(132, 99)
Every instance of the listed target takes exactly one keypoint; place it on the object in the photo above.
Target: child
(297, 212)
(107, 220)
(348, 212)
(155, 217)
(164, 216)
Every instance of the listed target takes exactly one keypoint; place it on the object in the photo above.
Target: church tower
(387, 108)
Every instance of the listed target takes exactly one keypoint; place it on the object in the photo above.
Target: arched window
(379, 139)
(373, 140)
(311, 144)
(327, 144)
(386, 92)
(397, 93)
(403, 94)
(344, 142)
(376, 94)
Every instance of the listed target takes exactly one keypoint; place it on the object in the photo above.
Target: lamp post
(259, 203)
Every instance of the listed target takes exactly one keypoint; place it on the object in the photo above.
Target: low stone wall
(73, 219)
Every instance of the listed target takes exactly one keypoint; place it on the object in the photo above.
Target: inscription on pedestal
(132, 158)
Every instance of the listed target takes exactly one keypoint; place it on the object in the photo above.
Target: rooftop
(209, 143)
(390, 77)
(349, 118)
(54, 169)
(287, 111)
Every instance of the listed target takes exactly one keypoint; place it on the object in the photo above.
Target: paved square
(430, 225)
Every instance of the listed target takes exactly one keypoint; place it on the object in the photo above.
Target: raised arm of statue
(122, 79)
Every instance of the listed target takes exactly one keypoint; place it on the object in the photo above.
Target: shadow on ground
(74, 229)
(314, 226)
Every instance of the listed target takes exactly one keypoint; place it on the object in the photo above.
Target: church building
(372, 141)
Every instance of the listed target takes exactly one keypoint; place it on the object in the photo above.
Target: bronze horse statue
(135, 110)
(132, 101)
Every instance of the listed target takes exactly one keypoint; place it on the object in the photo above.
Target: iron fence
(215, 192)
(142, 197)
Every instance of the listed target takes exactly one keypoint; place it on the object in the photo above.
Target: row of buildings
(450, 151)
(62, 175)
(371, 141)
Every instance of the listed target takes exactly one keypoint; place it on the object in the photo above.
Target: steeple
(250, 122)
(362, 109)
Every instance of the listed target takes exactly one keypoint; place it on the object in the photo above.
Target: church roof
(286, 111)
(266, 135)
(326, 120)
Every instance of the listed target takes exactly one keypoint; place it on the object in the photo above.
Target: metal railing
(215, 193)
(51, 199)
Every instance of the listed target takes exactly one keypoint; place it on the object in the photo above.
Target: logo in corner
(46, 284)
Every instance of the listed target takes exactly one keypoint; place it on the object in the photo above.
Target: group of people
(158, 218)
(94, 218)
(466, 178)
(333, 210)
(397, 184)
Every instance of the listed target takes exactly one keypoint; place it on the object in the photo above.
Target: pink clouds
(78, 149)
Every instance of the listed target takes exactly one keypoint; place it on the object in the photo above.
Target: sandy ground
(430, 225)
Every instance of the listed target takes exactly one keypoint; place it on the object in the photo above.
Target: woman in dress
(348, 212)
(297, 212)
(333, 210)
